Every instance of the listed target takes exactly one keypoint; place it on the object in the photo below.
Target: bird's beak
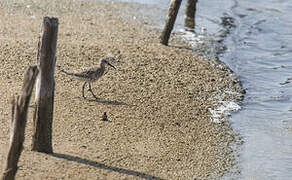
(111, 65)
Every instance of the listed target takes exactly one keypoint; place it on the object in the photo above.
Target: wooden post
(18, 123)
(190, 14)
(45, 86)
(170, 20)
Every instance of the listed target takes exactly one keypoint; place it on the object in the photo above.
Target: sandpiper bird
(91, 75)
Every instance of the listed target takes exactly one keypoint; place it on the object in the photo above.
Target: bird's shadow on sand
(103, 166)
(109, 102)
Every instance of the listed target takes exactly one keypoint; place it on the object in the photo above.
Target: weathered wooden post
(170, 20)
(18, 123)
(190, 14)
(45, 86)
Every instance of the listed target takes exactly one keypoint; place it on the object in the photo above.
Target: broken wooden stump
(45, 86)
(170, 20)
(18, 122)
(190, 14)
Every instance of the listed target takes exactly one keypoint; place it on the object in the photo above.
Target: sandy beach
(157, 99)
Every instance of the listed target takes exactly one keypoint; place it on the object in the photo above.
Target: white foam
(224, 110)
(193, 38)
(201, 41)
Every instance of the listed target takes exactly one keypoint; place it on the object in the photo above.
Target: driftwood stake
(190, 14)
(45, 86)
(170, 20)
(18, 123)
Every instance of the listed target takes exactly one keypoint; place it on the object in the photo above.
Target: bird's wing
(87, 73)
(90, 74)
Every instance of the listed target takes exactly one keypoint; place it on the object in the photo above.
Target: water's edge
(228, 102)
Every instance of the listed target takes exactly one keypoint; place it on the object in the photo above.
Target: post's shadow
(106, 167)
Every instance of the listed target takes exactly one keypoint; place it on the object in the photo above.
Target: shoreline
(157, 100)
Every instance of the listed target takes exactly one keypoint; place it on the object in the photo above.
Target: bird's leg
(90, 90)
(89, 87)
(83, 90)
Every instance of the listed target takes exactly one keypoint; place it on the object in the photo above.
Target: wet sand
(157, 100)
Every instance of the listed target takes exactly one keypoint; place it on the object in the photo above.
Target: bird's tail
(68, 73)
(75, 75)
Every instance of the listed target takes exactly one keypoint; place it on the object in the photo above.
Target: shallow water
(259, 51)
(254, 38)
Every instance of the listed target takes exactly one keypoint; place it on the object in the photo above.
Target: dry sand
(157, 100)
